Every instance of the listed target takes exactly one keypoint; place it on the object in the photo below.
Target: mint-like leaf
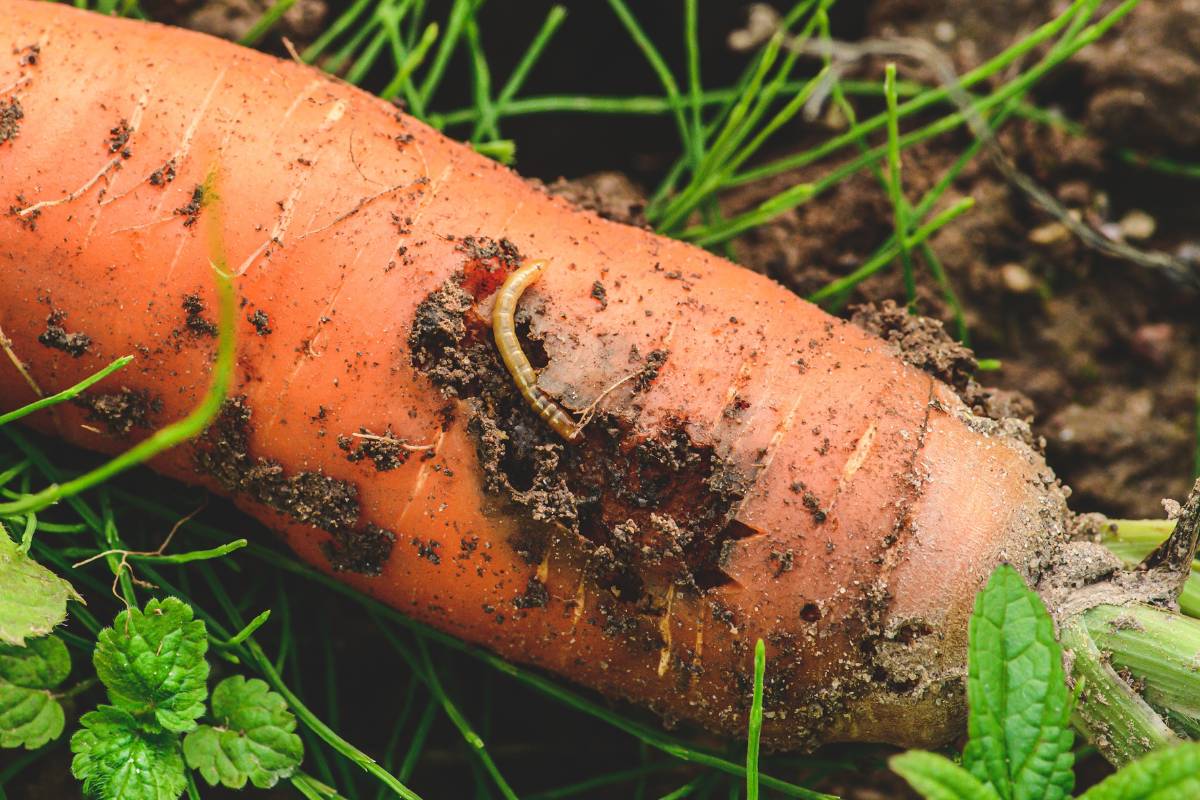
(34, 599)
(152, 663)
(118, 759)
(30, 715)
(253, 738)
(938, 778)
(1171, 774)
(1020, 740)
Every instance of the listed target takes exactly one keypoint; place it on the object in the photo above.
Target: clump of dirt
(924, 343)
(55, 336)
(612, 195)
(311, 498)
(233, 19)
(654, 509)
(363, 551)
(164, 174)
(11, 115)
(121, 412)
(191, 210)
(118, 139)
(195, 323)
(260, 321)
(921, 341)
(386, 451)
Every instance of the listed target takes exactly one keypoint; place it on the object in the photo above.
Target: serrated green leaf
(1171, 774)
(1019, 733)
(938, 778)
(152, 663)
(34, 599)
(118, 759)
(253, 738)
(30, 715)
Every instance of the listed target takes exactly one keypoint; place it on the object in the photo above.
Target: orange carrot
(747, 467)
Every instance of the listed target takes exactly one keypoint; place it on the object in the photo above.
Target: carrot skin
(344, 220)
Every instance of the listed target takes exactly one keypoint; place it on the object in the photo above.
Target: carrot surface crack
(505, 331)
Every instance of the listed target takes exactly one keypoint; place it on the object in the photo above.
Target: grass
(439, 709)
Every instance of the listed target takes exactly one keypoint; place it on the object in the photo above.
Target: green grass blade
(754, 736)
(65, 394)
(266, 22)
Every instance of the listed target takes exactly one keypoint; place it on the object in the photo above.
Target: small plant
(1019, 724)
(152, 664)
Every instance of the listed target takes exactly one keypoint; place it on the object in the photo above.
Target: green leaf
(938, 778)
(118, 759)
(30, 715)
(1170, 774)
(253, 738)
(34, 599)
(152, 663)
(1019, 736)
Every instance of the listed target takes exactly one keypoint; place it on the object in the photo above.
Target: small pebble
(1017, 279)
(1137, 225)
(1049, 233)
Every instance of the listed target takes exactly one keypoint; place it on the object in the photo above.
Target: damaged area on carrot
(753, 468)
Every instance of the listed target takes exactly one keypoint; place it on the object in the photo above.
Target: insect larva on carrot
(504, 328)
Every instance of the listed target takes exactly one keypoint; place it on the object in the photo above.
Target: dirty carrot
(767, 473)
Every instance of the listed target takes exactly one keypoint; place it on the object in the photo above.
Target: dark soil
(57, 337)
(120, 412)
(311, 498)
(650, 507)
(1106, 349)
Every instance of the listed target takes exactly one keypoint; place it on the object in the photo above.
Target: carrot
(725, 462)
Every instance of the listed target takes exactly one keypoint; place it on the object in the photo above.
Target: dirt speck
(191, 211)
(118, 139)
(56, 336)
(260, 321)
(164, 174)
(28, 55)
(195, 323)
(11, 115)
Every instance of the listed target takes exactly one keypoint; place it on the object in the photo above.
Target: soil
(652, 508)
(1106, 350)
(312, 498)
(120, 412)
(57, 337)
(233, 19)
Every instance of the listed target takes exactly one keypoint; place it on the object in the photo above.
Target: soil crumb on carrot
(121, 412)
(923, 343)
(363, 551)
(191, 211)
(11, 115)
(261, 322)
(386, 451)
(118, 139)
(28, 55)
(55, 336)
(311, 498)
(164, 174)
(195, 322)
